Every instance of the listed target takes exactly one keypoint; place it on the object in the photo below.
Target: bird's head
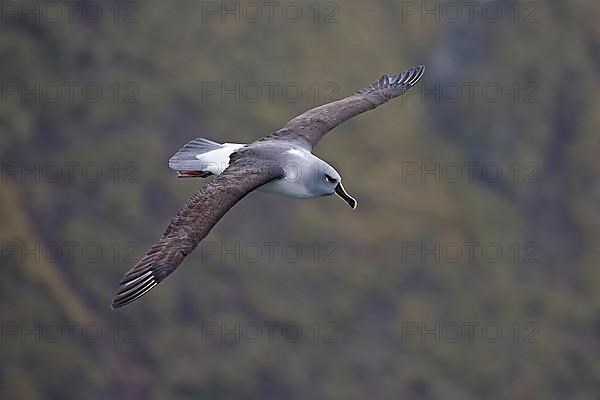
(328, 181)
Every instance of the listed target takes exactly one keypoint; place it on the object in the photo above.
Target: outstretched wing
(307, 129)
(192, 224)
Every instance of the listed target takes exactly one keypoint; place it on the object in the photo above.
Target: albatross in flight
(281, 163)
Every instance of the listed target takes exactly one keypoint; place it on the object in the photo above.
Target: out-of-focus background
(469, 271)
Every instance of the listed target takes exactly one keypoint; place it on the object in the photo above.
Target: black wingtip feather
(136, 284)
(126, 295)
(401, 81)
(409, 77)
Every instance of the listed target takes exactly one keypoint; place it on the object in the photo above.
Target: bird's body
(299, 165)
(280, 163)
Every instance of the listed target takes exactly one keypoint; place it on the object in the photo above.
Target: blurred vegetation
(375, 289)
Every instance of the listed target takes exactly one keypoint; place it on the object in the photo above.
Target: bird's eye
(329, 179)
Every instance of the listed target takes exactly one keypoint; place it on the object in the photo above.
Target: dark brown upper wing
(192, 224)
(307, 129)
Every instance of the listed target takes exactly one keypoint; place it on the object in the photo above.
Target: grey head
(328, 181)
(307, 176)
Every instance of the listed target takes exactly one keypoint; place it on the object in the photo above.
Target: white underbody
(291, 185)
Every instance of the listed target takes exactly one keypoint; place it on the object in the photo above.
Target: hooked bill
(340, 191)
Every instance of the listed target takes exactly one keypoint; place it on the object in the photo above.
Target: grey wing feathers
(308, 128)
(191, 224)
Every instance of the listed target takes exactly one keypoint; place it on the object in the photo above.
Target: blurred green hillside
(378, 293)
